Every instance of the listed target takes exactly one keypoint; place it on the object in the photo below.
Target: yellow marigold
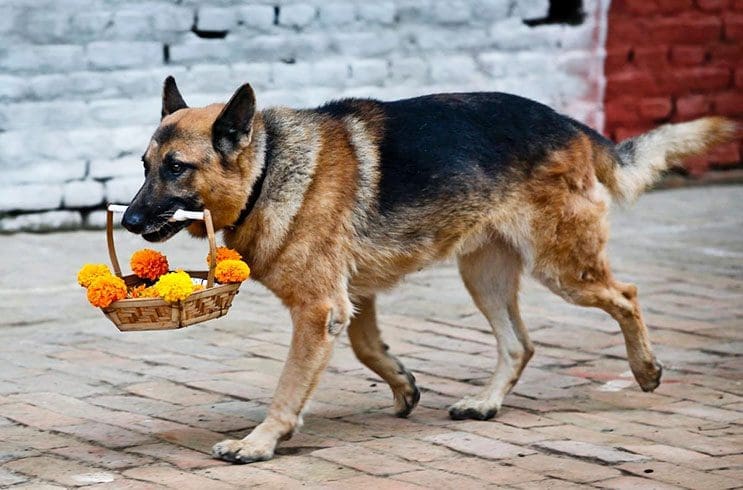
(174, 286)
(88, 272)
(148, 264)
(142, 291)
(224, 253)
(104, 290)
(229, 271)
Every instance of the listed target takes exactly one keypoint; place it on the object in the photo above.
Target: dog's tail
(640, 161)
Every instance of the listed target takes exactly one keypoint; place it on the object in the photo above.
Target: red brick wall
(674, 60)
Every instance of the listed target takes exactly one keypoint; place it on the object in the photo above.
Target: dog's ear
(172, 99)
(234, 124)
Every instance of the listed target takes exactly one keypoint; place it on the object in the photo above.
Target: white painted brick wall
(80, 80)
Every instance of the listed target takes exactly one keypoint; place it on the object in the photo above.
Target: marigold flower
(89, 272)
(104, 290)
(174, 286)
(148, 264)
(142, 291)
(149, 292)
(230, 271)
(136, 291)
(224, 253)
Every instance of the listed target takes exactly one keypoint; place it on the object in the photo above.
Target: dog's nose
(133, 221)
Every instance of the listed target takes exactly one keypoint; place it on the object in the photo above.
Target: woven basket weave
(157, 314)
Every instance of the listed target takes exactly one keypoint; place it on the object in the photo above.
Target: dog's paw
(406, 399)
(472, 408)
(242, 451)
(649, 380)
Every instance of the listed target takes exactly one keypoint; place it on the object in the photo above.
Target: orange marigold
(149, 264)
(104, 290)
(224, 253)
(229, 271)
(89, 272)
(142, 291)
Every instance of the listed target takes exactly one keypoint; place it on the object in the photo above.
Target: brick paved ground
(82, 404)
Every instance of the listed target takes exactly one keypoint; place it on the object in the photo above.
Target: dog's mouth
(164, 231)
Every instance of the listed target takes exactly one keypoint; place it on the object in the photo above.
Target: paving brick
(703, 412)
(256, 477)
(105, 435)
(39, 486)
(679, 475)
(582, 449)
(60, 471)
(487, 471)
(502, 432)
(37, 417)
(80, 409)
(522, 419)
(433, 478)
(8, 478)
(100, 456)
(465, 442)
(349, 432)
(365, 460)
(672, 454)
(135, 404)
(190, 437)
(552, 483)
(171, 477)
(409, 449)
(632, 482)
(205, 416)
(183, 458)
(368, 481)
(564, 468)
(173, 393)
(30, 438)
(309, 468)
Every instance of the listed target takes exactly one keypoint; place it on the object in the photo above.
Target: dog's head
(196, 159)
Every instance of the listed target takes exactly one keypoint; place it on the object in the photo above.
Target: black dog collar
(255, 193)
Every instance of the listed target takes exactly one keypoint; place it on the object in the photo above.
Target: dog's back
(448, 145)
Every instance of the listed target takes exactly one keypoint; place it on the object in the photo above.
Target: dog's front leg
(315, 328)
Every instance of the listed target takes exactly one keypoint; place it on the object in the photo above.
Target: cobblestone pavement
(82, 404)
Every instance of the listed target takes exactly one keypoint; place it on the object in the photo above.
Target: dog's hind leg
(491, 275)
(599, 289)
(570, 232)
(367, 344)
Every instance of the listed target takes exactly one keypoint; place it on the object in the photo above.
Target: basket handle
(179, 215)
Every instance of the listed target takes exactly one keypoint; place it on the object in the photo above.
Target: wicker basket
(157, 314)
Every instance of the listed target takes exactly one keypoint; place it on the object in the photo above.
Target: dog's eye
(177, 168)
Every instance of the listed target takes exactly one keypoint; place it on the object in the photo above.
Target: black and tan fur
(330, 206)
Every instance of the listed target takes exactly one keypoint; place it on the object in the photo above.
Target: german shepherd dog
(331, 205)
